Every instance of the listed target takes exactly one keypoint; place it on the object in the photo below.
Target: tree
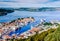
(53, 36)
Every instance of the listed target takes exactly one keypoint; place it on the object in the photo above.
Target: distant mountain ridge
(5, 11)
(37, 9)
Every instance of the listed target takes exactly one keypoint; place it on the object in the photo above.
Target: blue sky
(29, 3)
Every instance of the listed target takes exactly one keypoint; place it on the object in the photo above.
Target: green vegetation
(53, 36)
(50, 35)
(38, 37)
(46, 23)
(4, 11)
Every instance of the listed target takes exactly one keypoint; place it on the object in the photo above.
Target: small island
(4, 11)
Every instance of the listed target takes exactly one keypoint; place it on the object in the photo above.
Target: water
(50, 15)
(24, 28)
(20, 30)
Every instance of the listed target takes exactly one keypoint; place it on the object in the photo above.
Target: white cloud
(26, 1)
(22, 4)
(33, 1)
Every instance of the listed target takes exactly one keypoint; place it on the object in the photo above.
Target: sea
(47, 15)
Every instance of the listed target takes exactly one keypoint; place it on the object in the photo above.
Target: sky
(29, 3)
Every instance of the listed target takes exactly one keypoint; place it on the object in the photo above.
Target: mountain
(5, 11)
(39, 9)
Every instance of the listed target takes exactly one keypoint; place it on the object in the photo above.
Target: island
(4, 11)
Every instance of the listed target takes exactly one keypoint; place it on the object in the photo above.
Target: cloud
(30, 3)
(25, 1)
(33, 1)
